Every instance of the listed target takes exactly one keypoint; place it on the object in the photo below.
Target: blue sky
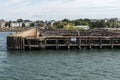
(58, 9)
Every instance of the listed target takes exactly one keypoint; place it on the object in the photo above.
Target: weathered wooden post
(112, 42)
(68, 43)
(23, 43)
(15, 40)
(45, 43)
(56, 43)
(29, 43)
(89, 39)
(79, 42)
(100, 39)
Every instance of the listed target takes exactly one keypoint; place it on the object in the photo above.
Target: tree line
(97, 23)
(103, 23)
(8, 23)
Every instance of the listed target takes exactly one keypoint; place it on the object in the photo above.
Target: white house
(93, 20)
(83, 27)
(52, 22)
(27, 24)
(16, 24)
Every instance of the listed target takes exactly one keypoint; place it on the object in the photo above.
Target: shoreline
(15, 29)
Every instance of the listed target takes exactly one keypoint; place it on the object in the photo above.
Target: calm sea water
(84, 64)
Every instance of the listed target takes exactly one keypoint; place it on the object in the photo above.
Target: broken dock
(63, 39)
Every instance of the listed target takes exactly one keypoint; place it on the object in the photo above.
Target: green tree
(81, 22)
(87, 20)
(23, 24)
(40, 23)
(32, 25)
(77, 23)
(7, 24)
(59, 25)
(26, 20)
(19, 21)
(102, 24)
(66, 20)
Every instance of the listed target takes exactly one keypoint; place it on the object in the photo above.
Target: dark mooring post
(20, 47)
(29, 44)
(45, 43)
(41, 44)
(79, 43)
(56, 43)
(19, 43)
(100, 39)
(89, 39)
(68, 43)
(23, 43)
(15, 39)
(112, 42)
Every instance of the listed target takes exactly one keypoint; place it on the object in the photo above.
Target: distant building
(2, 23)
(27, 24)
(83, 27)
(52, 22)
(45, 24)
(93, 20)
(106, 20)
(16, 24)
(115, 19)
(48, 24)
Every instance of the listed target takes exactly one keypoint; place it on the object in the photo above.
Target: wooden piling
(56, 43)
(100, 43)
(68, 43)
(79, 43)
(112, 43)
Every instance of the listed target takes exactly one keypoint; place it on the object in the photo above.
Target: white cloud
(59, 9)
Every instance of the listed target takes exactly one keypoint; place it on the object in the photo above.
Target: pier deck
(64, 39)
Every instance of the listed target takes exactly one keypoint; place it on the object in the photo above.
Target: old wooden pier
(63, 39)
